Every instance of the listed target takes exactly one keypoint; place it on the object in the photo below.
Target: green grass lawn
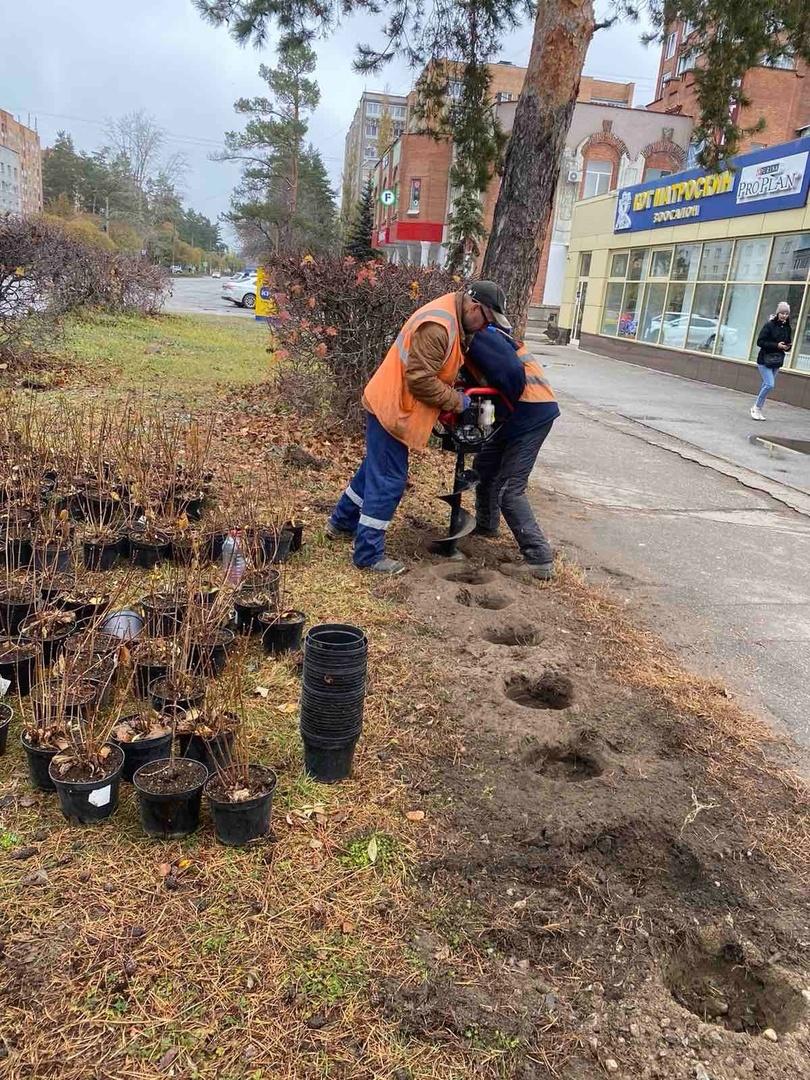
(169, 351)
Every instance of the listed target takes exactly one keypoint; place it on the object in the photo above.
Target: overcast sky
(73, 65)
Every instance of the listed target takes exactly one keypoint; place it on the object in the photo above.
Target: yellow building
(680, 273)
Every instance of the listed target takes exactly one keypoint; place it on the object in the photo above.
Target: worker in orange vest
(403, 398)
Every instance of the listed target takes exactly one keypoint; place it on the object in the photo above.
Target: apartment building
(20, 167)
(361, 149)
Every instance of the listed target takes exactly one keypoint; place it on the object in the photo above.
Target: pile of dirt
(605, 908)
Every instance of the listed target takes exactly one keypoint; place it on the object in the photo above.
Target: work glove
(466, 402)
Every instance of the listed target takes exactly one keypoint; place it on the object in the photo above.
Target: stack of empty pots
(333, 691)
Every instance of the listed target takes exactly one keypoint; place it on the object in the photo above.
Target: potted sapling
(282, 627)
(44, 732)
(52, 548)
(143, 736)
(206, 732)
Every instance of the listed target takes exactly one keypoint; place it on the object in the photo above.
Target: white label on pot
(101, 796)
(4, 685)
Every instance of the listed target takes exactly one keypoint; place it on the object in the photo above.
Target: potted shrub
(163, 613)
(49, 629)
(18, 661)
(17, 601)
(6, 715)
(153, 660)
(143, 736)
(169, 794)
(149, 544)
(177, 690)
(101, 546)
(282, 631)
(44, 733)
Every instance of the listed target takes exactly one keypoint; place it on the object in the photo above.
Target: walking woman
(774, 341)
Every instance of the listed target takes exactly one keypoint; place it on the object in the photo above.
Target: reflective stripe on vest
(538, 388)
(387, 395)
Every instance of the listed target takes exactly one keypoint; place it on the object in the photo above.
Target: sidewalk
(651, 482)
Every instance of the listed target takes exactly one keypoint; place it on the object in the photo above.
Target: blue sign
(761, 182)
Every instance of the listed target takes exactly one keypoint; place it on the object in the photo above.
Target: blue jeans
(768, 379)
(368, 504)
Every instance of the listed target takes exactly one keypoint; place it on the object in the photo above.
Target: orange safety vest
(387, 394)
(538, 387)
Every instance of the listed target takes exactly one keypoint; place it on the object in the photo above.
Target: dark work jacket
(769, 337)
(494, 354)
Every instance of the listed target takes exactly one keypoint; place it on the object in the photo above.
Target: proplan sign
(757, 183)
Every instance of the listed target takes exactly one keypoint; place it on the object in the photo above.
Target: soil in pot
(177, 691)
(282, 633)
(6, 715)
(209, 656)
(149, 550)
(52, 557)
(49, 629)
(169, 796)
(53, 701)
(142, 739)
(243, 814)
(18, 661)
(16, 604)
(163, 615)
(249, 605)
(87, 605)
(86, 799)
(101, 554)
(40, 749)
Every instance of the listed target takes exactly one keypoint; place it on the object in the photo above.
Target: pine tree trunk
(562, 33)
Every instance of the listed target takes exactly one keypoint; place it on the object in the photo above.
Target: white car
(215, 273)
(241, 291)
(699, 332)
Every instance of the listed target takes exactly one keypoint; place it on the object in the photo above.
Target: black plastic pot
(249, 610)
(296, 529)
(236, 824)
(336, 638)
(210, 752)
(6, 714)
(55, 558)
(15, 546)
(147, 554)
(162, 619)
(163, 698)
(92, 506)
(211, 547)
(210, 657)
(39, 761)
(183, 552)
(91, 801)
(283, 633)
(206, 597)
(277, 547)
(100, 554)
(13, 613)
(329, 764)
(75, 706)
(20, 671)
(84, 611)
(51, 646)
(142, 751)
(145, 674)
(170, 815)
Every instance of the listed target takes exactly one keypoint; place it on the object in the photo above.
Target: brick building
(779, 92)
(20, 167)
(360, 151)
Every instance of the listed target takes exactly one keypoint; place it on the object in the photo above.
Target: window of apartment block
(399, 111)
(504, 95)
(584, 263)
(416, 195)
(672, 44)
(656, 174)
(598, 176)
(687, 61)
(373, 108)
(372, 127)
(785, 62)
(688, 28)
(454, 89)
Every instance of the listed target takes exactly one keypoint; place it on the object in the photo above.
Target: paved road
(203, 296)
(653, 482)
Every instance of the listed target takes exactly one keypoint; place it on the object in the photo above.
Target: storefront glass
(711, 297)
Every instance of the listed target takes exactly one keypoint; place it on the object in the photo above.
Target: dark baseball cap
(493, 297)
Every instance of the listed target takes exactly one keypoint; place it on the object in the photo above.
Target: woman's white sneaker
(756, 414)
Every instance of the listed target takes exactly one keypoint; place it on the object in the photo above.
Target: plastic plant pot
(6, 715)
(329, 764)
(15, 607)
(88, 802)
(139, 753)
(84, 610)
(170, 814)
(18, 661)
(210, 657)
(39, 760)
(163, 616)
(282, 633)
(277, 547)
(296, 528)
(146, 553)
(52, 645)
(100, 555)
(211, 547)
(336, 637)
(15, 546)
(210, 752)
(146, 673)
(164, 696)
(249, 606)
(75, 703)
(55, 558)
(125, 624)
(238, 823)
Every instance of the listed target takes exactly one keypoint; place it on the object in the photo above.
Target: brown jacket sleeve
(425, 360)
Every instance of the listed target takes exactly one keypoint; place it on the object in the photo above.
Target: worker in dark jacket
(505, 463)
(775, 339)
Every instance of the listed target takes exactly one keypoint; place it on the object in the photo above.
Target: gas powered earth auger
(465, 433)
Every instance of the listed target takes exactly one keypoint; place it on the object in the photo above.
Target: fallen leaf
(346, 927)
(168, 1058)
(262, 691)
(316, 845)
(372, 850)
(289, 707)
(164, 869)
(415, 815)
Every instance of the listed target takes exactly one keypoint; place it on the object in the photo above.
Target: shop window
(618, 265)
(771, 296)
(637, 264)
(715, 260)
(790, 258)
(652, 314)
(799, 358)
(584, 263)
(685, 264)
(705, 331)
(613, 304)
(597, 180)
(739, 314)
(628, 318)
(750, 259)
(660, 263)
(676, 316)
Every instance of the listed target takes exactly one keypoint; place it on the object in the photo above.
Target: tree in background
(284, 181)
(385, 129)
(732, 36)
(361, 229)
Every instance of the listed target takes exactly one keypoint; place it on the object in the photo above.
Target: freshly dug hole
(548, 692)
(573, 766)
(471, 577)
(491, 601)
(514, 636)
(721, 990)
